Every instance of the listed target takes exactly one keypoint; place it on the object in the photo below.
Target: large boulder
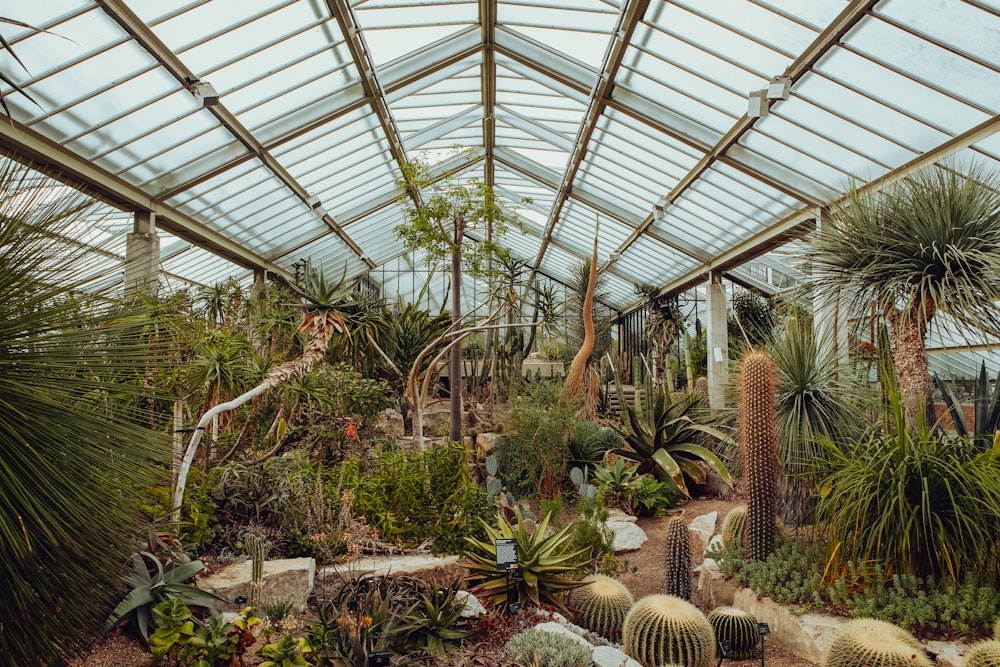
(286, 580)
(628, 536)
(390, 423)
(703, 527)
(609, 656)
(717, 589)
(806, 635)
(439, 569)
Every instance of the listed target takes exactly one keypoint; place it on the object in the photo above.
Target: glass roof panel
(331, 255)
(389, 44)
(649, 262)
(375, 233)
(579, 30)
(576, 228)
(960, 25)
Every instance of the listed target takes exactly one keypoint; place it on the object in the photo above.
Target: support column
(259, 282)
(142, 256)
(717, 340)
(830, 319)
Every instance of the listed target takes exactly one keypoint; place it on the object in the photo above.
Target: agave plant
(987, 409)
(662, 437)
(546, 564)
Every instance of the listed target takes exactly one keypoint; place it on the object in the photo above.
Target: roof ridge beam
(488, 24)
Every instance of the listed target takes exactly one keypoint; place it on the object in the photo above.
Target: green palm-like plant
(927, 244)
(663, 437)
(547, 565)
(73, 461)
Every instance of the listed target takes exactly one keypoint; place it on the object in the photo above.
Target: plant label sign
(380, 659)
(763, 629)
(506, 554)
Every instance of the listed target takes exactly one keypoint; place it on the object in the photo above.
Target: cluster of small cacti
(984, 654)
(866, 642)
(738, 628)
(732, 525)
(678, 559)
(257, 548)
(664, 629)
(602, 604)
(538, 647)
(758, 438)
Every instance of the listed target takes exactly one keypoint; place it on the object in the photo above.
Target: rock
(441, 569)
(717, 589)
(609, 656)
(560, 629)
(703, 527)
(805, 636)
(473, 607)
(289, 580)
(487, 442)
(615, 514)
(555, 616)
(947, 654)
(436, 421)
(628, 536)
(390, 423)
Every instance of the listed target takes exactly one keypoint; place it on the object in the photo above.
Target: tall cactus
(257, 548)
(678, 559)
(758, 435)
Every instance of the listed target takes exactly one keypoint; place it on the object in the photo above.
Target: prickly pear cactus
(737, 627)
(758, 435)
(663, 629)
(602, 605)
(732, 524)
(865, 642)
(678, 559)
(983, 654)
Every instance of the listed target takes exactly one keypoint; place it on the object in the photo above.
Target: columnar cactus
(758, 435)
(737, 627)
(732, 524)
(996, 630)
(865, 642)
(257, 548)
(678, 559)
(983, 654)
(602, 605)
(663, 629)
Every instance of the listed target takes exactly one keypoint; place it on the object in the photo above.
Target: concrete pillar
(259, 282)
(717, 340)
(142, 256)
(830, 318)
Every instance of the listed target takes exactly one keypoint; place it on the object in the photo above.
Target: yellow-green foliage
(758, 429)
(602, 604)
(996, 630)
(732, 525)
(737, 627)
(984, 654)
(678, 559)
(664, 629)
(866, 642)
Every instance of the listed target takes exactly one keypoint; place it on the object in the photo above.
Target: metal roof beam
(631, 13)
(488, 24)
(147, 39)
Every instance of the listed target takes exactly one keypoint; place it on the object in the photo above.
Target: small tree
(450, 208)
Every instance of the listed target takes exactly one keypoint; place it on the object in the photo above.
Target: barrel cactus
(663, 629)
(732, 524)
(996, 630)
(866, 642)
(678, 559)
(984, 654)
(737, 627)
(758, 438)
(602, 604)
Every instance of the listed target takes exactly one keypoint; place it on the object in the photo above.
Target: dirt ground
(649, 578)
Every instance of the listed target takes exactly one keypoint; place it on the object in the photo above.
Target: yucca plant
(547, 566)
(664, 438)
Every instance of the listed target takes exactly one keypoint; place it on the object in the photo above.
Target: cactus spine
(865, 642)
(758, 435)
(602, 604)
(678, 559)
(984, 654)
(737, 627)
(732, 524)
(663, 629)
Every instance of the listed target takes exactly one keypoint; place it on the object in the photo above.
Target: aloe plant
(662, 437)
(987, 409)
(546, 564)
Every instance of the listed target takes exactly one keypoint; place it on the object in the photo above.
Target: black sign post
(507, 561)
(763, 630)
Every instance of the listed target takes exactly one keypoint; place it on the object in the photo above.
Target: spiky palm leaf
(72, 462)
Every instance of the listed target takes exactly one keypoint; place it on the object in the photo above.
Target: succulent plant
(737, 627)
(538, 647)
(663, 629)
(996, 630)
(866, 642)
(602, 604)
(732, 524)
(983, 654)
(678, 559)
(758, 438)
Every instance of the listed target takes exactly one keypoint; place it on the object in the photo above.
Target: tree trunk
(575, 377)
(909, 333)
(455, 369)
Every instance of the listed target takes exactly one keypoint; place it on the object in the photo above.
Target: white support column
(142, 256)
(830, 318)
(717, 340)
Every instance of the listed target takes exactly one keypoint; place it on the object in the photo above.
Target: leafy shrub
(353, 394)
(641, 494)
(182, 641)
(547, 649)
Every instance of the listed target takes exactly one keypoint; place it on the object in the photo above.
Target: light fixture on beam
(614, 257)
(757, 107)
(316, 204)
(660, 208)
(778, 88)
(204, 92)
